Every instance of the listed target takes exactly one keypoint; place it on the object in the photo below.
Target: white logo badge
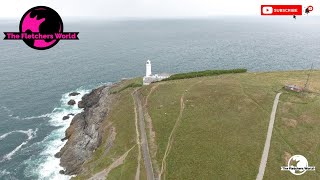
(298, 165)
(267, 10)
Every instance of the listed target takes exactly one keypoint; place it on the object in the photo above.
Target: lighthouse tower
(148, 68)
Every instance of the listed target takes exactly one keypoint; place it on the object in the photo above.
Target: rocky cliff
(85, 132)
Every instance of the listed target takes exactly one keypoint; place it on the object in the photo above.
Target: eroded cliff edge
(85, 132)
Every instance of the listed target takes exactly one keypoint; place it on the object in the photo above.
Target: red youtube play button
(282, 10)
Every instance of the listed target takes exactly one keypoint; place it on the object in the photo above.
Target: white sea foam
(5, 135)
(36, 117)
(4, 173)
(47, 166)
(30, 133)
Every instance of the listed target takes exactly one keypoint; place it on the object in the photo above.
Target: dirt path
(163, 165)
(151, 91)
(144, 141)
(264, 158)
(152, 134)
(170, 140)
(137, 177)
(103, 174)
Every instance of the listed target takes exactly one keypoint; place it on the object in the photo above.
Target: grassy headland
(214, 127)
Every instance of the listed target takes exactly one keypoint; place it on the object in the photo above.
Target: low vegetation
(223, 127)
(121, 118)
(204, 73)
(223, 121)
(296, 133)
(125, 84)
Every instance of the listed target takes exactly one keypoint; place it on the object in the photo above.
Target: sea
(34, 84)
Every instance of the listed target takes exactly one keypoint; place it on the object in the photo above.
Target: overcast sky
(144, 8)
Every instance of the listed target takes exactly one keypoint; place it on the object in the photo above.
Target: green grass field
(296, 132)
(215, 127)
(223, 127)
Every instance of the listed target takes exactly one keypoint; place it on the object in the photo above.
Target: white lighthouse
(148, 68)
(149, 78)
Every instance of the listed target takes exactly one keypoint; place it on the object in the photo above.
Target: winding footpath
(102, 175)
(171, 137)
(169, 145)
(266, 149)
(143, 135)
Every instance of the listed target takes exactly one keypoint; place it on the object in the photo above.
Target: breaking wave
(37, 117)
(4, 173)
(30, 133)
(46, 166)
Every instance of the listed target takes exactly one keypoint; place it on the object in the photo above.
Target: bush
(204, 73)
(131, 85)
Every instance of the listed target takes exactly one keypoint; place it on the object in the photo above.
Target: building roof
(293, 87)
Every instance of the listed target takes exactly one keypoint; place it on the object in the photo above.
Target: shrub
(131, 85)
(204, 73)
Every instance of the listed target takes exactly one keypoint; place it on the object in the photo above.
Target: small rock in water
(71, 114)
(80, 104)
(74, 94)
(65, 117)
(63, 139)
(61, 172)
(72, 102)
(57, 155)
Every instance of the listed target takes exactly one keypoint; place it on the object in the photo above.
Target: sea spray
(47, 166)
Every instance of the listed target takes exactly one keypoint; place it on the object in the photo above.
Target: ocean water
(34, 85)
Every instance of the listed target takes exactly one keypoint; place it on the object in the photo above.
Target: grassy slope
(224, 124)
(223, 127)
(123, 119)
(296, 132)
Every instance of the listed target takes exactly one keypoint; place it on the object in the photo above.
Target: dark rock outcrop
(62, 172)
(74, 94)
(72, 102)
(65, 117)
(80, 105)
(57, 155)
(91, 99)
(85, 132)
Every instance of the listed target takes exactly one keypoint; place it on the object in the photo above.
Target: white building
(148, 69)
(149, 78)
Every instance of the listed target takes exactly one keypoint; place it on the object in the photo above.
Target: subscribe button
(284, 10)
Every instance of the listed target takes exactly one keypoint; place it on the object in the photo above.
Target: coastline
(84, 134)
(94, 128)
(45, 165)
